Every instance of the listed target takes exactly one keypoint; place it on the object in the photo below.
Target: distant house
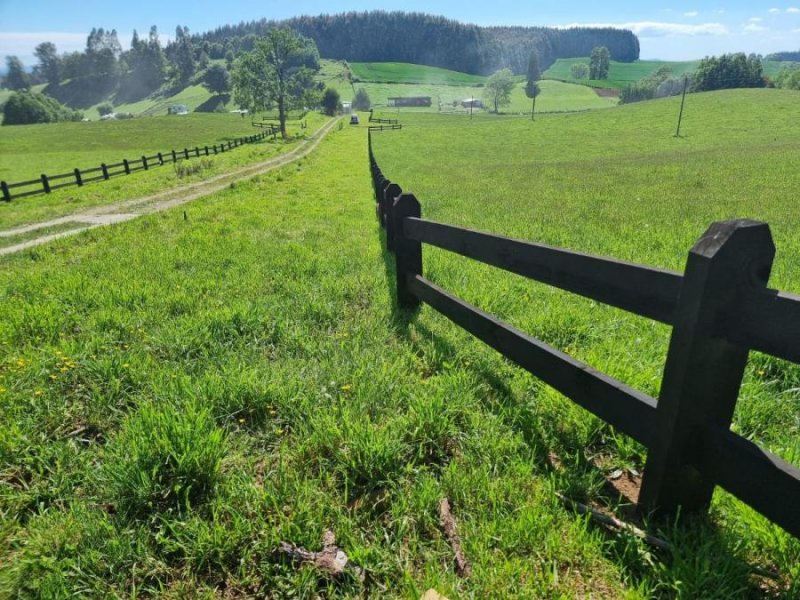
(178, 109)
(410, 101)
(347, 108)
(471, 103)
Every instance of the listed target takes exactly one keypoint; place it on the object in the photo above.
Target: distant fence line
(719, 309)
(77, 177)
(373, 119)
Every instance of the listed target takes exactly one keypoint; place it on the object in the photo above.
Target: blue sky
(674, 30)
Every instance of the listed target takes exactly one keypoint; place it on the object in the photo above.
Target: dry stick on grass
(448, 523)
(605, 519)
(616, 523)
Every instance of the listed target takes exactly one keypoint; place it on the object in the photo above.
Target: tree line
(379, 36)
(104, 69)
(728, 71)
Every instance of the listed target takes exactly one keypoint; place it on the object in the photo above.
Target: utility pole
(683, 100)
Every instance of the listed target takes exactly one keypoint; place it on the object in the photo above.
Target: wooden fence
(44, 183)
(373, 119)
(719, 309)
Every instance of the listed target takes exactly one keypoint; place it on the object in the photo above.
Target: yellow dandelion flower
(346, 387)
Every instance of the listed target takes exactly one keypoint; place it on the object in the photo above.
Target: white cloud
(753, 28)
(774, 10)
(692, 13)
(755, 19)
(793, 9)
(650, 29)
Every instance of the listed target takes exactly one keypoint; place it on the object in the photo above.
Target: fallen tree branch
(605, 519)
(448, 523)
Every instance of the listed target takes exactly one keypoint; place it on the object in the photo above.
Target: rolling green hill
(619, 74)
(444, 88)
(623, 74)
(408, 73)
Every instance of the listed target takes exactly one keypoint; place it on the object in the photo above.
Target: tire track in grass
(127, 210)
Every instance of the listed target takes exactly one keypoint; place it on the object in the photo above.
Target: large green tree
(16, 77)
(217, 80)
(729, 71)
(330, 101)
(599, 63)
(49, 63)
(499, 87)
(277, 73)
(532, 88)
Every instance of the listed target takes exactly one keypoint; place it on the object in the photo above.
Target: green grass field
(408, 73)
(618, 183)
(29, 150)
(621, 75)
(180, 396)
(443, 87)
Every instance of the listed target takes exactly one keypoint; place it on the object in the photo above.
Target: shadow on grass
(704, 560)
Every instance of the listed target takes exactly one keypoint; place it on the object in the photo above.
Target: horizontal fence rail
(78, 177)
(384, 127)
(719, 309)
(374, 119)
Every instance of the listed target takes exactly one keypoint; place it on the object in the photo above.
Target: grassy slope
(130, 139)
(556, 96)
(619, 74)
(267, 319)
(29, 150)
(409, 73)
(623, 74)
(635, 192)
(271, 308)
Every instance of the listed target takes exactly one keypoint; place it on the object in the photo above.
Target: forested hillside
(419, 38)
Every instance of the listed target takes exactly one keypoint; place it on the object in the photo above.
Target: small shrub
(579, 71)
(185, 169)
(24, 108)
(165, 458)
(362, 101)
(106, 108)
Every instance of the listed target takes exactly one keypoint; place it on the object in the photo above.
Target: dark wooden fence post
(408, 253)
(45, 184)
(6, 192)
(391, 192)
(78, 178)
(160, 158)
(127, 166)
(383, 183)
(703, 371)
(186, 153)
(144, 162)
(206, 150)
(174, 156)
(197, 152)
(104, 169)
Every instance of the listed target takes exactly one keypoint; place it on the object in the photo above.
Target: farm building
(410, 101)
(471, 103)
